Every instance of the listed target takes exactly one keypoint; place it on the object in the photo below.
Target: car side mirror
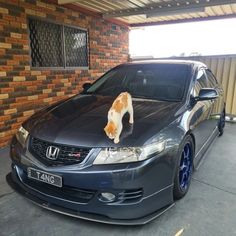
(86, 86)
(207, 94)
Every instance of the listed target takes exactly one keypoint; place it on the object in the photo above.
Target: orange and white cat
(121, 105)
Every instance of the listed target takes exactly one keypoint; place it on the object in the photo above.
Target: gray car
(63, 161)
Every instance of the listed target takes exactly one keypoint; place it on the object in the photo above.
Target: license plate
(44, 177)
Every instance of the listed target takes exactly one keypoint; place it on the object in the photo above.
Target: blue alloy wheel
(185, 168)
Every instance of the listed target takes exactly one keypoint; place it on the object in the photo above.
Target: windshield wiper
(157, 99)
(168, 100)
(143, 97)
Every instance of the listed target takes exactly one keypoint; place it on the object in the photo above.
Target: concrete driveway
(208, 209)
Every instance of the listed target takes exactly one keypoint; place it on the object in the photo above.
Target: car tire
(221, 123)
(183, 173)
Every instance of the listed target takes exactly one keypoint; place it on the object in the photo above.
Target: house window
(54, 45)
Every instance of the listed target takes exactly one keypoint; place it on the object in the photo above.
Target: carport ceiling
(148, 12)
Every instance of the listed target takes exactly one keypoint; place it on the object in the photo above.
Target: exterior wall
(25, 90)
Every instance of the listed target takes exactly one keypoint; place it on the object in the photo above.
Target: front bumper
(154, 178)
(17, 186)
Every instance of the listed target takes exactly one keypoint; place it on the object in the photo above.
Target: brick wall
(25, 90)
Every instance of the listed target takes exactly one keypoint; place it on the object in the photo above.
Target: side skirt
(201, 155)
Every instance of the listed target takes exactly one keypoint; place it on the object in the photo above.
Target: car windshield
(148, 81)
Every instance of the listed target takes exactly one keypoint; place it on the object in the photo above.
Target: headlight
(129, 154)
(22, 135)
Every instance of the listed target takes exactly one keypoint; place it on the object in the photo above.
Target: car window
(211, 78)
(154, 81)
(202, 79)
(201, 82)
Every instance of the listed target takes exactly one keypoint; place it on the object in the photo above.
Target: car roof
(168, 61)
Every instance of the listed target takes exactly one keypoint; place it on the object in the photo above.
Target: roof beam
(176, 12)
(169, 22)
(88, 12)
(166, 7)
(60, 2)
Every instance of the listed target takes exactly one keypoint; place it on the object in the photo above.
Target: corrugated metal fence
(224, 68)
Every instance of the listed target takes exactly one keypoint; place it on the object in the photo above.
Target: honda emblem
(52, 152)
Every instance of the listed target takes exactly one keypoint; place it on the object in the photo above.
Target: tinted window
(202, 79)
(201, 82)
(155, 81)
(211, 79)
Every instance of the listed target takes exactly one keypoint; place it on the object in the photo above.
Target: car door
(202, 110)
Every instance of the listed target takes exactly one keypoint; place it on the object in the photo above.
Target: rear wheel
(184, 168)
(221, 124)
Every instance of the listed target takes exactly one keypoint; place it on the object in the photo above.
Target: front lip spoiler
(82, 215)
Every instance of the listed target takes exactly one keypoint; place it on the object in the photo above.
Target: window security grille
(54, 45)
(75, 46)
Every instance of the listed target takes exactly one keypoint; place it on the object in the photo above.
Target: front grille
(129, 196)
(68, 155)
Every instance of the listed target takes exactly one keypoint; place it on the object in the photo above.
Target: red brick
(2, 51)
(31, 88)
(18, 57)
(16, 126)
(12, 62)
(27, 83)
(6, 68)
(7, 90)
(21, 99)
(21, 119)
(11, 40)
(15, 24)
(24, 73)
(3, 118)
(8, 17)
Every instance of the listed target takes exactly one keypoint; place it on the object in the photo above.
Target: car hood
(80, 121)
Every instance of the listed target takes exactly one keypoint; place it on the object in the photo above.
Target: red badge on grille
(77, 155)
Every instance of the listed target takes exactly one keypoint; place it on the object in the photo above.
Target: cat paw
(131, 121)
(116, 140)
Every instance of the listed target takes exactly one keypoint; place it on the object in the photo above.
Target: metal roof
(147, 12)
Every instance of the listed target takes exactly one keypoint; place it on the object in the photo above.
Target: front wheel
(184, 168)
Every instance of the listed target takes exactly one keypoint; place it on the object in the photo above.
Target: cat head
(110, 129)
